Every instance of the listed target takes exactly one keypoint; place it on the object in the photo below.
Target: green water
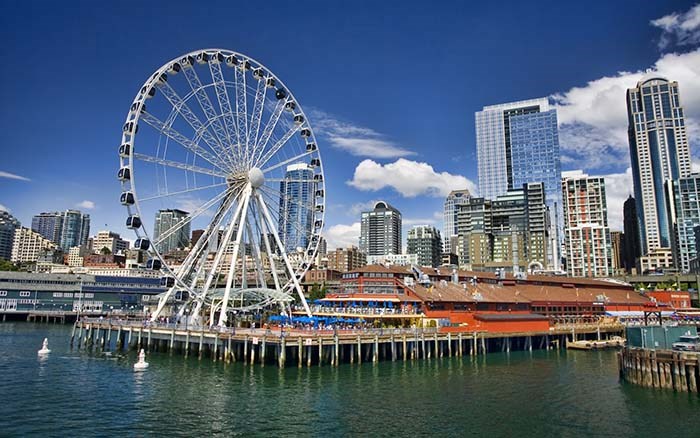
(560, 394)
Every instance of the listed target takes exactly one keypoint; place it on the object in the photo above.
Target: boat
(614, 342)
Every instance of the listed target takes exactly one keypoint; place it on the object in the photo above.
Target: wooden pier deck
(317, 347)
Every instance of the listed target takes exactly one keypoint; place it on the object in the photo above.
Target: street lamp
(187, 318)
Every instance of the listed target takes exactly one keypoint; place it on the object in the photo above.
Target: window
(25, 294)
(3, 293)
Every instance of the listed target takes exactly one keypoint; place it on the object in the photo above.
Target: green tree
(6, 265)
(317, 292)
(105, 251)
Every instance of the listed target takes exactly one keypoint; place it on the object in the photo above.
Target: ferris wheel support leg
(234, 259)
(161, 304)
(268, 248)
(295, 280)
(217, 260)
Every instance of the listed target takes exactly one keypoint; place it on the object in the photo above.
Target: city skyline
(411, 159)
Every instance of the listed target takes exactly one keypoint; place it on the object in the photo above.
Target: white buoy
(141, 364)
(44, 348)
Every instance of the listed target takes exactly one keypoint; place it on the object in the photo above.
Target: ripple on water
(543, 393)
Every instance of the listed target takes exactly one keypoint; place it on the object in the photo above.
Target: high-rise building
(587, 236)
(616, 239)
(75, 230)
(66, 229)
(518, 143)
(109, 240)
(510, 232)
(380, 230)
(8, 226)
(49, 225)
(659, 152)
(631, 248)
(296, 206)
(346, 259)
(425, 242)
(171, 219)
(685, 216)
(453, 200)
(28, 245)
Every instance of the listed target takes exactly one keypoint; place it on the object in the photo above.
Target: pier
(661, 369)
(300, 347)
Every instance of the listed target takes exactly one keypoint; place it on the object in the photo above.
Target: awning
(634, 313)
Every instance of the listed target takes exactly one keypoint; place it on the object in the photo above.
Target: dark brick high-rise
(631, 248)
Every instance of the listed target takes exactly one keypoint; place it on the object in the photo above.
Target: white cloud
(409, 178)
(358, 208)
(3, 208)
(679, 29)
(593, 118)
(356, 140)
(342, 236)
(618, 187)
(9, 175)
(192, 205)
(88, 205)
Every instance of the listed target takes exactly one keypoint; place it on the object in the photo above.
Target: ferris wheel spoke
(258, 106)
(192, 216)
(207, 107)
(269, 129)
(266, 239)
(182, 140)
(292, 272)
(182, 192)
(224, 102)
(200, 129)
(278, 145)
(285, 162)
(241, 111)
(178, 165)
(274, 194)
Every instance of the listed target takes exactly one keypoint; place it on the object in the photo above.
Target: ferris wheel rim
(130, 138)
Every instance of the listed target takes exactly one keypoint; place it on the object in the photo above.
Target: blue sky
(390, 87)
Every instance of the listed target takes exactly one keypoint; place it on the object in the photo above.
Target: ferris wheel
(214, 141)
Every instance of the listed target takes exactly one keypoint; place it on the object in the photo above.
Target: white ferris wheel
(217, 140)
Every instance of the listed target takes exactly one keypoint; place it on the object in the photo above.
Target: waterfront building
(296, 208)
(110, 241)
(28, 245)
(659, 152)
(196, 235)
(346, 259)
(394, 260)
(171, 219)
(8, 226)
(452, 201)
(75, 229)
(631, 247)
(426, 243)
(685, 216)
(616, 239)
(587, 236)
(518, 143)
(380, 230)
(21, 292)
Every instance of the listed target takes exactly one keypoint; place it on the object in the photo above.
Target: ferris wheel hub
(256, 177)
